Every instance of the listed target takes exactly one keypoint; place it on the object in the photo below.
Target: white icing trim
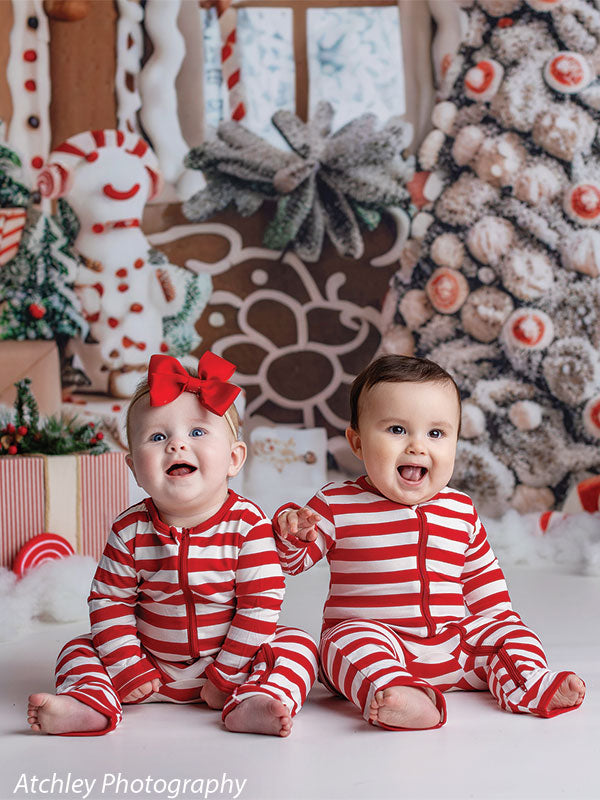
(128, 61)
(402, 230)
(157, 87)
(30, 142)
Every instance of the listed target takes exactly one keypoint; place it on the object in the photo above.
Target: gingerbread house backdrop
(274, 239)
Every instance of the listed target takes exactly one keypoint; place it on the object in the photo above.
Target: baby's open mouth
(180, 469)
(412, 473)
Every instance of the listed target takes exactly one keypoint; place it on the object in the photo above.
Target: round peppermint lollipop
(447, 290)
(43, 547)
(567, 72)
(528, 329)
(483, 80)
(582, 203)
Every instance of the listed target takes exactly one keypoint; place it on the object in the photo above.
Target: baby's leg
(282, 674)
(517, 669)
(85, 703)
(364, 661)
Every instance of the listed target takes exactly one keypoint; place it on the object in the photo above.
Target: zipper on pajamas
(422, 564)
(187, 592)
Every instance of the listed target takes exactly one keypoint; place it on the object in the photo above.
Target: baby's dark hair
(397, 369)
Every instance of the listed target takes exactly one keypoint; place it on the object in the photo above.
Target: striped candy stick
(12, 222)
(230, 62)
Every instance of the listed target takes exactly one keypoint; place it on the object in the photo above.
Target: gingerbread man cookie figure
(136, 302)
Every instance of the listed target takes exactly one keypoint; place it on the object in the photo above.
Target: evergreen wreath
(328, 183)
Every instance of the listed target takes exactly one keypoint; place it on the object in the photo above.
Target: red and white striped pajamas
(183, 606)
(416, 598)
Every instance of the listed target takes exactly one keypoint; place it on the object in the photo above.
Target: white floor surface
(481, 752)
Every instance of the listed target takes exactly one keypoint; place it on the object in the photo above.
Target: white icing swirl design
(130, 47)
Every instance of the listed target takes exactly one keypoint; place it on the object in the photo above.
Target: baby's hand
(213, 697)
(142, 691)
(298, 522)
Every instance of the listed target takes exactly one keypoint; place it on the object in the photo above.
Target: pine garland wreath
(57, 436)
(334, 184)
(35, 285)
(505, 290)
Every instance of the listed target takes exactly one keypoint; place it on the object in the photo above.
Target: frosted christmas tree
(36, 285)
(500, 280)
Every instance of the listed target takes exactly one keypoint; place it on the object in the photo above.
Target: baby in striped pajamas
(417, 603)
(185, 601)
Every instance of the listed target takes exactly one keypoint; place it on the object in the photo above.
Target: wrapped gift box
(75, 496)
(37, 360)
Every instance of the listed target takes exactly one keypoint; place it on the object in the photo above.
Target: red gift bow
(167, 379)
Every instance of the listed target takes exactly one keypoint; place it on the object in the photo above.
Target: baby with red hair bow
(186, 597)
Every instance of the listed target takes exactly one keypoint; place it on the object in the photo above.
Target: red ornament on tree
(37, 311)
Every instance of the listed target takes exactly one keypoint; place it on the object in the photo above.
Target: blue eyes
(195, 433)
(399, 430)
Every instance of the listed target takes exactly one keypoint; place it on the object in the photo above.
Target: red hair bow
(167, 379)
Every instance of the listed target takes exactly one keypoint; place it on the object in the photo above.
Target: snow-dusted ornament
(572, 370)
(430, 149)
(528, 329)
(473, 422)
(397, 341)
(415, 308)
(525, 415)
(465, 200)
(328, 183)
(582, 203)
(443, 116)
(564, 131)
(535, 184)
(530, 499)
(447, 250)
(484, 313)
(466, 144)
(483, 80)
(591, 417)
(447, 290)
(527, 273)
(567, 72)
(581, 252)
(499, 161)
(489, 239)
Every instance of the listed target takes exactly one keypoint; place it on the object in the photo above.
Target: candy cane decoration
(230, 60)
(28, 74)
(12, 222)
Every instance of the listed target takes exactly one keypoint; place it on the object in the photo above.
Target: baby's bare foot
(260, 715)
(404, 707)
(570, 693)
(60, 713)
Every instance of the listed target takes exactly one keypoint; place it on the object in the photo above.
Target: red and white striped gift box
(76, 497)
(12, 222)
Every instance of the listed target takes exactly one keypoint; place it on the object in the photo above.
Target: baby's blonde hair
(231, 416)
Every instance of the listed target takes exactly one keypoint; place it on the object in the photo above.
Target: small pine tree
(35, 285)
(13, 194)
